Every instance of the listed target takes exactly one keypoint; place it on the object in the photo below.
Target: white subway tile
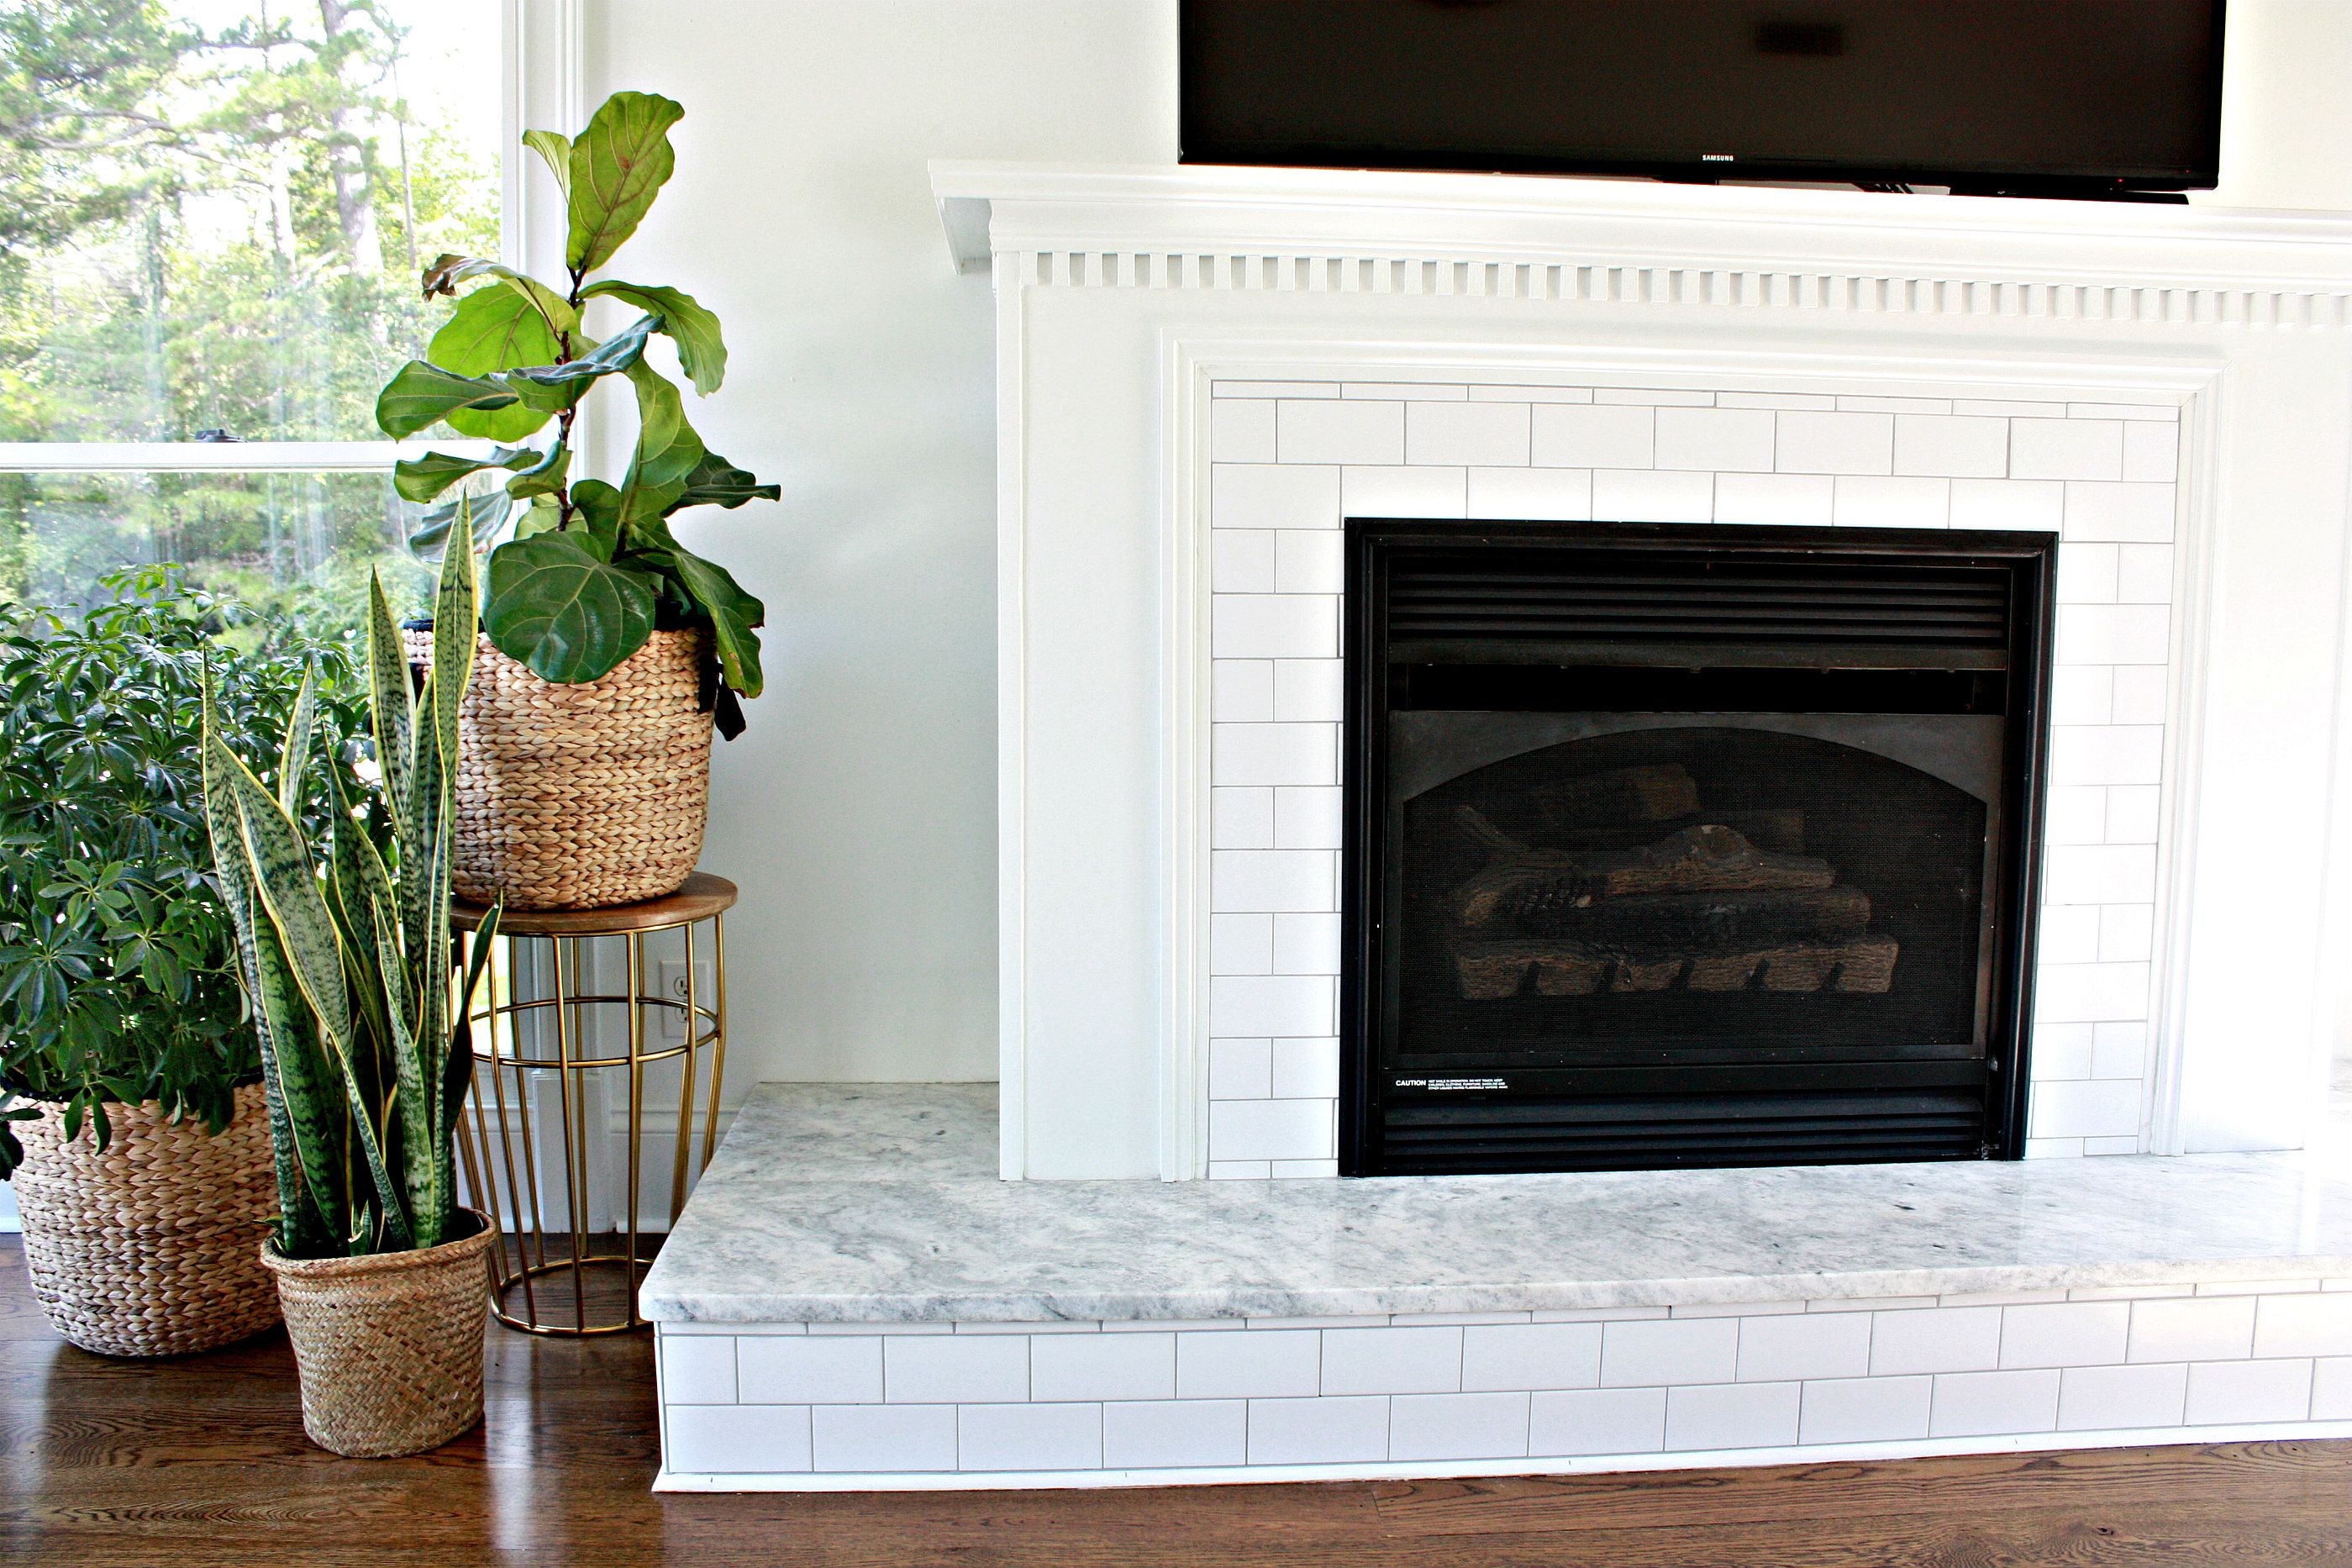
(2063, 450)
(1241, 560)
(1241, 690)
(1818, 400)
(2009, 409)
(1717, 439)
(2167, 412)
(1786, 499)
(1240, 818)
(2132, 813)
(2106, 754)
(812, 1370)
(2144, 574)
(1240, 1069)
(2069, 933)
(2152, 452)
(1310, 691)
(2100, 874)
(1029, 1437)
(1269, 1363)
(2087, 573)
(2118, 1049)
(1270, 1007)
(1506, 393)
(1305, 1070)
(1597, 1421)
(2091, 992)
(1954, 445)
(2194, 1327)
(2256, 1287)
(1868, 404)
(860, 1438)
(1680, 1349)
(1804, 1346)
(1872, 502)
(2093, 1110)
(2331, 1389)
(2118, 1398)
(1271, 1130)
(2065, 1333)
(1936, 1338)
(1307, 818)
(1661, 397)
(2076, 814)
(1539, 495)
(2053, 1148)
(1266, 495)
(2305, 1325)
(1241, 944)
(2113, 634)
(1735, 1309)
(1458, 1426)
(1275, 753)
(1306, 561)
(2061, 1051)
(1164, 1433)
(1836, 444)
(1403, 492)
(2140, 691)
(1241, 430)
(1270, 881)
(1598, 1315)
(1274, 389)
(1240, 1169)
(1318, 1431)
(1492, 435)
(1732, 1415)
(1531, 1355)
(1987, 1403)
(2224, 1392)
(1306, 944)
(1274, 626)
(1865, 1410)
(2028, 505)
(1640, 495)
(1572, 436)
(1456, 1319)
(735, 1439)
(2082, 694)
(955, 1369)
(886, 1330)
(1406, 391)
(697, 1369)
(2095, 1148)
(1391, 1361)
(1327, 431)
(1304, 1170)
(2126, 933)
(2130, 513)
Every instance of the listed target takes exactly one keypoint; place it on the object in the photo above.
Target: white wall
(858, 813)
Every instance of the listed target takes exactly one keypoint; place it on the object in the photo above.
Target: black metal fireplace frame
(1373, 544)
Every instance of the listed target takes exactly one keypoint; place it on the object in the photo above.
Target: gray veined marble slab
(879, 1204)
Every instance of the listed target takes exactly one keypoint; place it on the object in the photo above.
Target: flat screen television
(2058, 97)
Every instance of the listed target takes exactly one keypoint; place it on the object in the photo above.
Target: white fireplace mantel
(1157, 328)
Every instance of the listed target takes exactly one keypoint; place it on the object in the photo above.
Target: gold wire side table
(558, 1018)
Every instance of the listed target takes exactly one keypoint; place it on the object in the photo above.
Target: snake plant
(345, 955)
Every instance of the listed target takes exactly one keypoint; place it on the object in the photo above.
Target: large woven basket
(579, 797)
(389, 1346)
(148, 1248)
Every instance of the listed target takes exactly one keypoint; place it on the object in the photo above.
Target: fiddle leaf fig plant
(580, 571)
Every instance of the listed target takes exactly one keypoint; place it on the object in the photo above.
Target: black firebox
(1677, 845)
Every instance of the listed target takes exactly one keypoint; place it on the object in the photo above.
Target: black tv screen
(1975, 94)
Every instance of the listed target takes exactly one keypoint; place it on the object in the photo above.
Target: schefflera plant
(345, 955)
(581, 570)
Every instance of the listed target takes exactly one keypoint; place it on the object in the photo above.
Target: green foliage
(590, 570)
(116, 965)
(345, 955)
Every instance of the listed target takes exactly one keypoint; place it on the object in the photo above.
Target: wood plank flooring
(201, 1462)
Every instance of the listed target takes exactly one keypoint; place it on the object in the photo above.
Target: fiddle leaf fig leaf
(421, 478)
(449, 271)
(618, 166)
(560, 612)
(543, 478)
(554, 149)
(596, 509)
(715, 481)
(735, 616)
(544, 515)
(490, 331)
(489, 514)
(668, 448)
(701, 353)
(570, 379)
(421, 394)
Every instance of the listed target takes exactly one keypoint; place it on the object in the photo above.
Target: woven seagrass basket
(148, 1248)
(580, 797)
(389, 1346)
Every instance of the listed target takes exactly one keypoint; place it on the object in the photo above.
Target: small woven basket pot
(389, 1346)
(148, 1248)
(579, 797)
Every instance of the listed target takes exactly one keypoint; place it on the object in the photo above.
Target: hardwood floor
(192, 1463)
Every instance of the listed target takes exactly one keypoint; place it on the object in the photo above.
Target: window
(212, 214)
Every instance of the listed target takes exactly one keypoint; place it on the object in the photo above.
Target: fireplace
(1670, 844)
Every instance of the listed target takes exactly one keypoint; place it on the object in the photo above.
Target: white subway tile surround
(775, 1406)
(2104, 475)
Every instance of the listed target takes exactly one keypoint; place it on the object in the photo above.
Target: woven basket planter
(389, 1346)
(148, 1248)
(579, 797)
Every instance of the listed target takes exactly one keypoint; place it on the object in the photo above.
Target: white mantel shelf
(1710, 232)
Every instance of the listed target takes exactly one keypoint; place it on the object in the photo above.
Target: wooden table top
(701, 896)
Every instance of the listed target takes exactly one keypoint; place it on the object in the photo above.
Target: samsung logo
(1714, 157)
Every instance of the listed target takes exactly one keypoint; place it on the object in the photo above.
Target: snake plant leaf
(419, 479)
(294, 756)
(619, 165)
(701, 352)
(351, 897)
(421, 394)
(447, 271)
(490, 510)
(543, 478)
(715, 481)
(563, 612)
(554, 149)
(390, 701)
(461, 1033)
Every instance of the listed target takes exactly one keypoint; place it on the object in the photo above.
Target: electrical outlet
(670, 976)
